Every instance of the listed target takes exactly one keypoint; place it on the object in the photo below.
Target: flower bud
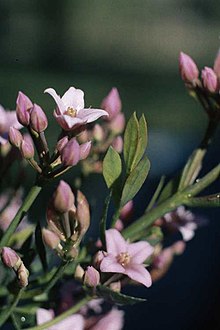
(127, 210)
(79, 273)
(117, 125)
(9, 257)
(98, 133)
(179, 247)
(38, 119)
(23, 108)
(82, 213)
(72, 253)
(117, 144)
(83, 136)
(99, 256)
(115, 286)
(217, 65)
(188, 68)
(85, 149)
(15, 137)
(23, 275)
(112, 103)
(61, 143)
(210, 80)
(70, 154)
(91, 277)
(27, 149)
(63, 198)
(50, 238)
(119, 225)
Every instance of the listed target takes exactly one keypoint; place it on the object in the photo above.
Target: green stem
(135, 230)
(6, 313)
(62, 316)
(32, 195)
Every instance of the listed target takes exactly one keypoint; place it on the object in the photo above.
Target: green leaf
(103, 219)
(111, 166)
(204, 201)
(40, 246)
(156, 194)
(116, 297)
(169, 189)
(135, 180)
(131, 137)
(142, 140)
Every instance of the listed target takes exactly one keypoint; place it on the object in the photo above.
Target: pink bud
(70, 154)
(119, 225)
(27, 148)
(127, 211)
(188, 68)
(50, 238)
(84, 136)
(217, 65)
(15, 137)
(117, 125)
(61, 143)
(79, 273)
(82, 212)
(38, 119)
(112, 103)
(9, 257)
(99, 256)
(210, 80)
(117, 144)
(63, 198)
(23, 108)
(23, 275)
(91, 277)
(98, 132)
(85, 149)
(179, 247)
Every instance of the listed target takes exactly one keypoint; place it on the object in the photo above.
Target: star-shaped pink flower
(70, 112)
(126, 258)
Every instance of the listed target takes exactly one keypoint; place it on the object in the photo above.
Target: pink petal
(61, 108)
(90, 115)
(73, 98)
(115, 242)
(12, 121)
(110, 265)
(73, 322)
(113, 320)
(140, 251)
(67, 122)
(44, 315)
(139, 274)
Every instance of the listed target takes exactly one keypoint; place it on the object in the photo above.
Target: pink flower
(188, 68)
(113, 320)
(73, 322)
(70, 112)
(112, 103)
(7, 119)
(126, 258)
(210, 80)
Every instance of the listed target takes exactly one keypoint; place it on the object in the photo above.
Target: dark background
(133, 45)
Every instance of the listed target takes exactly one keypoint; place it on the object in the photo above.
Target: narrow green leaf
(135, 180)
(169, 189)
(40, 246)
(204, 201)
(156, 194)
(131, 137)
(142, 140)
(111, 166)
(116, 297)
(102, 225)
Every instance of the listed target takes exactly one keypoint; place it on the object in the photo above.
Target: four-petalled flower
(70, 112)
(126, 258)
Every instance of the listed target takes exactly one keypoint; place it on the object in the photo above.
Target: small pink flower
(70, 112)
(188, 68)
(126, 258)
(73, 322)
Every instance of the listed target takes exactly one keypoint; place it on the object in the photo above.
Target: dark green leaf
(116, 297)
(135, 180)
(156, 194)
(111, 166)
(204, 201)
(142, 140)
(40, 246)
(131, 137)
(103, 219)
(169, 189)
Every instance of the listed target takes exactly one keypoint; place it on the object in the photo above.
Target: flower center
(124, 258)
(71, 112)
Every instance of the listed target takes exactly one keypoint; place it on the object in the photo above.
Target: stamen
(124, 258)
(71, 112)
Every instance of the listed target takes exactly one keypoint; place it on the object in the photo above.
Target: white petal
(90, 115)
(61, 108)
(73, 98)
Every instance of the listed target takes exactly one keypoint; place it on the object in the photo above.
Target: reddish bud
(61, 143)
(70, 154)
(50, 238)
(9, 257)
(188, 68)
(15, 137)
(27, 148)
(91, 277)
(38, 119)
(210, 80)
(63, 198)
(112, 103)
(24, 105)
(117, 144)
(99, 256)
(119, 225)
(117, 125)
(127, 210)
(85, 149)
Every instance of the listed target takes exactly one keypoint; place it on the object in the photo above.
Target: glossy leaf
(112, 166)
(135, 180)
(116, 297)
(131, 137)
